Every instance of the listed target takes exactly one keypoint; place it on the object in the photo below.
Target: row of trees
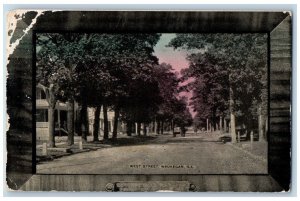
(229, 74)
(112, 71)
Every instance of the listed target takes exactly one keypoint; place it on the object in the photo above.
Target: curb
(52, 157)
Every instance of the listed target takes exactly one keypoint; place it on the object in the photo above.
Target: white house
(42, 124)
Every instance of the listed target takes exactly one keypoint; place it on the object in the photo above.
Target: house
(42, 124)
(41, 115)
(110, 117)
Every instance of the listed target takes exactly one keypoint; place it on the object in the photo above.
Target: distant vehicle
(177, 130)
(225, 138)
(243, 137)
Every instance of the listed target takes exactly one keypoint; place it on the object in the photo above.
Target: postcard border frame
(34, 179)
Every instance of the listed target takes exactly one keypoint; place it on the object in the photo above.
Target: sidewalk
(61, 142)
(258, 150)
(73, 149)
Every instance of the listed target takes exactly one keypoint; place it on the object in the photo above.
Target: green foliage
(220, 61)
(168, 90)
(182, 116)
(172, 107)
(94, 64)
(57, 58)
(210, 88)
(113, 68)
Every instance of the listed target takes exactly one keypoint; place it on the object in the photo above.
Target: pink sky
(169, 55)
(174, 57)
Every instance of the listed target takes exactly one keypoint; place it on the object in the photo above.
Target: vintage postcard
(122, 96)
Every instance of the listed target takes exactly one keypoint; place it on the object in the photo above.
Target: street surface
(193, 154)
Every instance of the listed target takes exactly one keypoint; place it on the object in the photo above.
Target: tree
(168, 84)
(55, 73)
(209, 86)
(182, 115)
(62, 61)
(131, 67)
(96, 124)
(141, 104)
(243, 55)
(114, 63)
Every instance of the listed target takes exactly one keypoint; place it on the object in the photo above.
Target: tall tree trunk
(172, 127)
(105, 121)
(162, 127)
(84, 121)
(58, 119)
(129, 128)
(51, 116)
(153, 127)
(116, 121)
(50, 96)
(135, 128)
(225, 125)
(221, 121)
(261, 126)
(138, 128)
(207, 125)
(182, 131)
(214, 123)
(232, 115)
(144, 129)
(157, 127)
(70, 122)
(96, 124)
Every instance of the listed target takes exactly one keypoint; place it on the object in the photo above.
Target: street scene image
(151, 103)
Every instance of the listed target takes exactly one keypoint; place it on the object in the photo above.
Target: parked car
(243, 137)
(179, 130)
(225, 138)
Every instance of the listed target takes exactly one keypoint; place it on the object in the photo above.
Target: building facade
(42, 123)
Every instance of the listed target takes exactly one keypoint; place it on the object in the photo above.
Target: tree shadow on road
(124, 141)
(158, 139)
(127, 141)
